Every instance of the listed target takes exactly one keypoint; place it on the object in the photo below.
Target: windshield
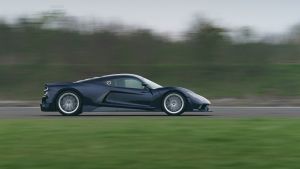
(151, 84)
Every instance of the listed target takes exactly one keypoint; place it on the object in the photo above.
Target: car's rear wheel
(173, 104)
(69, 103)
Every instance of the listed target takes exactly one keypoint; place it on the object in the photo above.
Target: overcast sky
(270, 16)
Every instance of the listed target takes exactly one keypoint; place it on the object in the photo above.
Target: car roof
(122, 74)
(112, 75)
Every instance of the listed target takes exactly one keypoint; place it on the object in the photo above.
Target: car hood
(193, 95)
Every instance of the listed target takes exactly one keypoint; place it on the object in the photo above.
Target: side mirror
(145, 86)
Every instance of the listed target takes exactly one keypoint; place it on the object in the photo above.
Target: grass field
(150, 143)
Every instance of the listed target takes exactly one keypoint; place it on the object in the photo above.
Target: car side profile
(120, 90)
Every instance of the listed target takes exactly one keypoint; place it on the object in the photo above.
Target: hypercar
(127, 91)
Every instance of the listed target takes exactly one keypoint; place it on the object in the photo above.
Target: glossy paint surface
(97, 92)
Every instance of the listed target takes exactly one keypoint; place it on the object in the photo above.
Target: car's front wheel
(173, 104)
(69, 103)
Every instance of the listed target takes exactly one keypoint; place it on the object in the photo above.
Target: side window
(125, 82)
(133, 83)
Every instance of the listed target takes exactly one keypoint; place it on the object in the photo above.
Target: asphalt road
(217, 112)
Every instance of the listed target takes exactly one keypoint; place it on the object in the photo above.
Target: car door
(128, 92)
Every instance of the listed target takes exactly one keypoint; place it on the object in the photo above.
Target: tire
(69, 103)
(174, 104)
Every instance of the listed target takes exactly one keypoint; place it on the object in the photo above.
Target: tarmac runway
(217, 112)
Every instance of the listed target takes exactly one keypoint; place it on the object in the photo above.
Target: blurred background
(236, 49)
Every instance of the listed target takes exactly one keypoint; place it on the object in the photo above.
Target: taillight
(46, 90)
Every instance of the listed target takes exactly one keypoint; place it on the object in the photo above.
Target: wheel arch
(188, 106)
(64, 90)
(172, 91)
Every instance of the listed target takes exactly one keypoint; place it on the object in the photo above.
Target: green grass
(150, 143)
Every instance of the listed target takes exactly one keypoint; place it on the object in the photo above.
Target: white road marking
(256, 107)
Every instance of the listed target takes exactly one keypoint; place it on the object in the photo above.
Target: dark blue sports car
(119, 90)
